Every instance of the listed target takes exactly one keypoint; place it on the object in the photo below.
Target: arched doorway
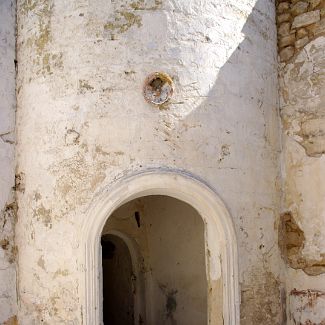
(170, 237)
(220, 239)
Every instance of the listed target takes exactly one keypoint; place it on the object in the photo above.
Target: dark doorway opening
(166, 240)
(118, 295)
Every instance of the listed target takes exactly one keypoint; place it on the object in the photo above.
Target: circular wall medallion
(158, 88)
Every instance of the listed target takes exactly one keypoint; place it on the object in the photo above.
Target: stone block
(283, 6)
(287, 40)
(284, 29)
(314, 3)
(287, 53)
(299, 8)
(306, 19)
(322, 12)
(319, 27)
(283, 18)
(301, 32)
(302, 42)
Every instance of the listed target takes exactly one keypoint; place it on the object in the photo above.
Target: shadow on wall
(243, 136)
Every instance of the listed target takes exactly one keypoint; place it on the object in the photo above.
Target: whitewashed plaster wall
(302, 90)
(7, 164)
(82, 123)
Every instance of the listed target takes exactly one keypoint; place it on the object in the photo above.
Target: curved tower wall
(83, 122)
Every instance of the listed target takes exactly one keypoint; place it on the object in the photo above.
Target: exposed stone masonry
(291, 242)
(301, 31)
(298, 23)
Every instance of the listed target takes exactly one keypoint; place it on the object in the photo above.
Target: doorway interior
(220, 243)
(154, 264)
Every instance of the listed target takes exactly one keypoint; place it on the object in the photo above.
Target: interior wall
(170, 235)
(177, 256)
(118, 290)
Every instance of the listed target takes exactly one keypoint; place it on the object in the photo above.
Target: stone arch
(220, 238)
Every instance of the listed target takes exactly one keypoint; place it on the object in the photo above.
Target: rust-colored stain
(291, 243)
(4, 243)
(308, 304)
(11, 321)
(311, 295)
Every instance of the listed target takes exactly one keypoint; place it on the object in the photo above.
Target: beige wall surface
(302, 94)
(82, 122)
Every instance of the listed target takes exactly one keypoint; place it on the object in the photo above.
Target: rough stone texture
(306, 19)
(319, 28)
(299, 8)
(299, 20)
(301, 32)
(82, 122)
(287, 40)
(283, 18)
(7, 170)
(302, 94)
(291, 242)
(302, 234)
(302, 226)
(286, 53)
(284, 29)
(282, 7)
(301, 42)
(314, 3)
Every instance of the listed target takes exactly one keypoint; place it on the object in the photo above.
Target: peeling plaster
(291, 242)
(302, 225)
(82, 122)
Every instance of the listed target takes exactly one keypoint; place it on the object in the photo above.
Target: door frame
(220, 239)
